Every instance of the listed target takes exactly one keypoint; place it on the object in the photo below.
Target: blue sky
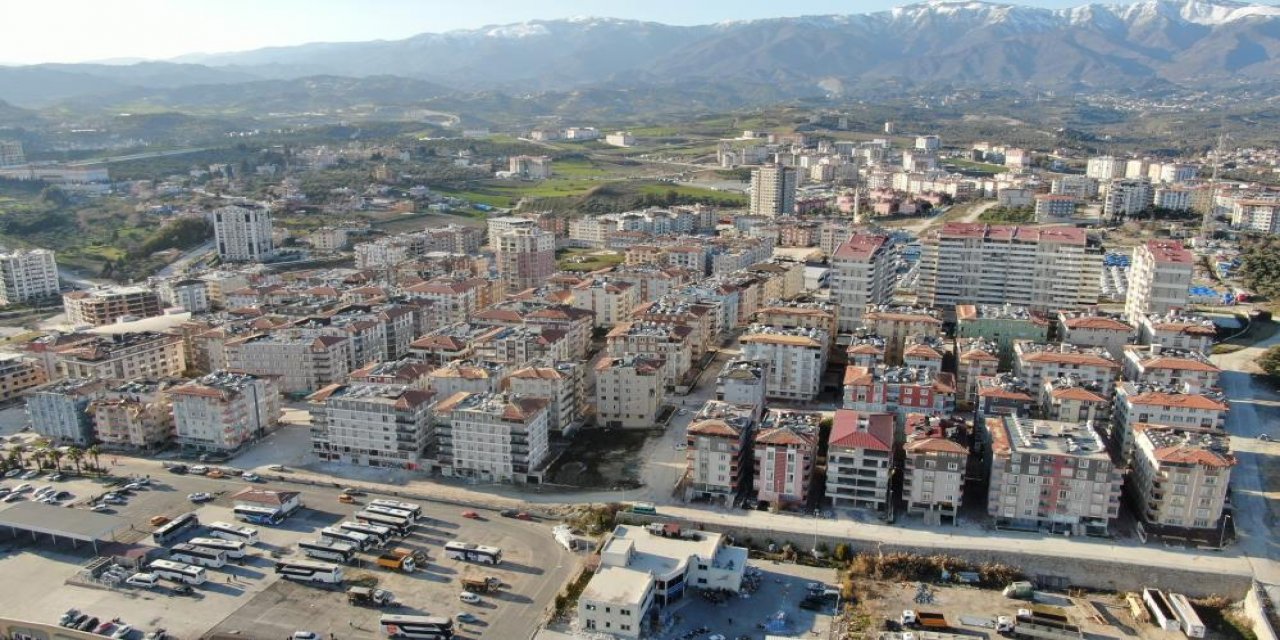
(80, 30)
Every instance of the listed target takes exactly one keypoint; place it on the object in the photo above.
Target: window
(625, 612)
(590, 607)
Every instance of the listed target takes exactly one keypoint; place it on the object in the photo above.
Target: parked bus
(307, 571)
(431, 627)
(473, 552)
(392, 511)
(178, 571)
(379, 533)
(174, 529)
(334, 551)
(199, 556)
(400, 525)
(234, 549)
(358, 540)
(259, 515)
(645, 508)
(229, 531)
(415, 509)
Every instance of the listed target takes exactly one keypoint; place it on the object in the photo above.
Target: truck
(480, 584)
(369, 597)
(924, 620)
(1045, 629)
(1021, 590)
(398, 560)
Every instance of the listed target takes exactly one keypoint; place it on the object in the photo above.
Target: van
(144, 580)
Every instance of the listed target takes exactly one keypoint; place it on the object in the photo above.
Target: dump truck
(480, 584)
(924, 620)
(368, 597)
(398, 560)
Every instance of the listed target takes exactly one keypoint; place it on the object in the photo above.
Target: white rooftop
(621, 585)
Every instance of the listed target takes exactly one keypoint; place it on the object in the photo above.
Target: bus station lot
(250, 601)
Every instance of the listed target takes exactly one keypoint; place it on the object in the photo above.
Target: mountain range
(1186, 43)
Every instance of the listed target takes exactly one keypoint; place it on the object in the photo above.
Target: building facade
(242, 233)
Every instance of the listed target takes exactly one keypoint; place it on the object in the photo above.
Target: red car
(471, 514)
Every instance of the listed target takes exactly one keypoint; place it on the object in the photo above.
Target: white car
(469, 598)
(100, 507)
(56, 477)
(122, 631)
(22, 488)
(250, 476)
(13, 497)
(32, 474)
(200, 496)
(133, 486)
(199, 469)
(13, 473)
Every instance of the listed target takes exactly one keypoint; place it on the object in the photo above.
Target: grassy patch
(1223, 349)
(588, 260)
(976, 167)
(664, 188)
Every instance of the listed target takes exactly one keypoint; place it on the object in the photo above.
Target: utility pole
(1207, 219)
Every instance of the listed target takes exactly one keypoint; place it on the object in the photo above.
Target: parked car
(13, 497)
(199, 469)
(157, 521)
(305, 635)
(24, 487)
(215, 474)
(353, 491)
(199, 496)
(56, 477)
(471, 514)
(466, 618)
(469, 598)
(13, 473)
(31, 475)
(122, 632)
(249, 476)
(178, 469)
(88, 625)
(278, 467)
(346, 498)
(100, 507)
(144, 580)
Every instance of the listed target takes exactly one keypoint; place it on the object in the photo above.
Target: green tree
(76, 456)
(55, 457)
(94, 451)
(1269, 361)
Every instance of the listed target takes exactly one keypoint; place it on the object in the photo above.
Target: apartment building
(1092, 329)
(797, 359)
(498, 226)
(975, 358)
(406, 373)
(1074, 400)
(59, 412)
(470, 376)
(1079, 187)
(860, 459)
(863, 349)
(1175, 367)
(374, 425)
(744, 382)
(785, 452)
(669, 343)
(1051, 208)
(1256, 214)
(190, 294)
(298, 360)
(1159, 279)
(1004, 324)
(676, 310)
(898, 390)
(1037, 362)
(773, 190)
(1180, 407)
(935, 459)
(924, 352)
(28, 275)
(1004, 394)
(1051, 476)
(223, 411)
(106, 305)
(1041, 268)
(122, 356)
(719, 454)
(896, 323)
(526, 258)
(808, 314)
(562, 384)
(133, 416)
(492, 437)
(1180, 480)
(19, 373)
(611, 301)
(863, 274)
(1127, 198)
(630, 392)
(530, 167)
(454, 299)
(242, 233)
(1177, 331)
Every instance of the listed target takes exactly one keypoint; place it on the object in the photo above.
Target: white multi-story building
(928, 143)
(376, 425)
(1127, 198)
(1041, 268)
(1049, 475)
(562, 384)
(1054, 208)
(630, 391)
(526, 258)
(860, 459)
(28, 275)
(191, 294)
(1159, 279)
(1036, 363)
(298, 360)
(105, 305)
(1173, 197)
(667, 342)
(1178, 331)
(242, 233)
(59, 410)
(797, 358)
(530, 167)
(1256, 214)
(122, 356)
(1180, 479)
(1170, 366)
(773, 190)
(500, 225)
(744, 382)
(11, 154)
(719, 451)
(1105, 168)
(612, 301)
(863, 275)
(1090, 329)
(1183, 407)
(223, 411)
(492, 437)
(620, 139)
(1080, 187)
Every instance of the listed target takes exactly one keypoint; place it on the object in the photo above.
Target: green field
(982, 167)
(663, 188)
(587, 259)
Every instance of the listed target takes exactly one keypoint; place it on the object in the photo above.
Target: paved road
(918, 228)
(136, 156)
(180, 265)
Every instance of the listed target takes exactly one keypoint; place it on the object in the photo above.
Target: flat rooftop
(621, 585)
(76, 524)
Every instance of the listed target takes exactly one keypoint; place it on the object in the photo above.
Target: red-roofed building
(1090, 329)
(719, 451)
(1178, 331)
(1180, 480)
(862, 275)
(975, 358)
(935, 459)
(1137, 403)
(900, 390)
(860, 459)
(785, 450)
(1177, 367)
(492, 437)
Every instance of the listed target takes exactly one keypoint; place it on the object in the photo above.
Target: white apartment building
(667, 342)
(1173, 197)
(718, 457)
(59, 410)
(773, 190)
(298, 360)
(1105, 168)
(1079, 187)
(1036, 363)
(492, 437)
(1179, 407)
(863, 275)
(242, 233)
(500, 225)
(1159, 279)
(612, 301)
(1041, 268)
(28, 275)
(1178, 331)
(1051, 476)
(1256, 214)
(122, 356)
(530, 167)
(744, 382)
(797, 359)
(1180, 479)
(1169, 366)
(860, 459)
(1089, 329)
(620, 139)
(106, 305)
(928, 143)
(526, 258)
(630, 392)
(375, 425)
(191, 294)
(1054, 208)
(1126, 198)
(223, 411)
(135, 416)
(562, 384)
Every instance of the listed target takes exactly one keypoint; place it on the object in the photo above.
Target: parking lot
(782, 588)
(250, 601)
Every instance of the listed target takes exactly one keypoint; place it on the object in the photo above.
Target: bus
(259, 515)
(473, 552)
(307, 571)
(645, 508)
(174, 529)
(234, 549)
(178, 571)
(199, 556)
(431, 627)
(401, 526)
(321, 550)
(392, 511)
(358, 540)
(379, 533)
(415, 509)
(234, 532)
